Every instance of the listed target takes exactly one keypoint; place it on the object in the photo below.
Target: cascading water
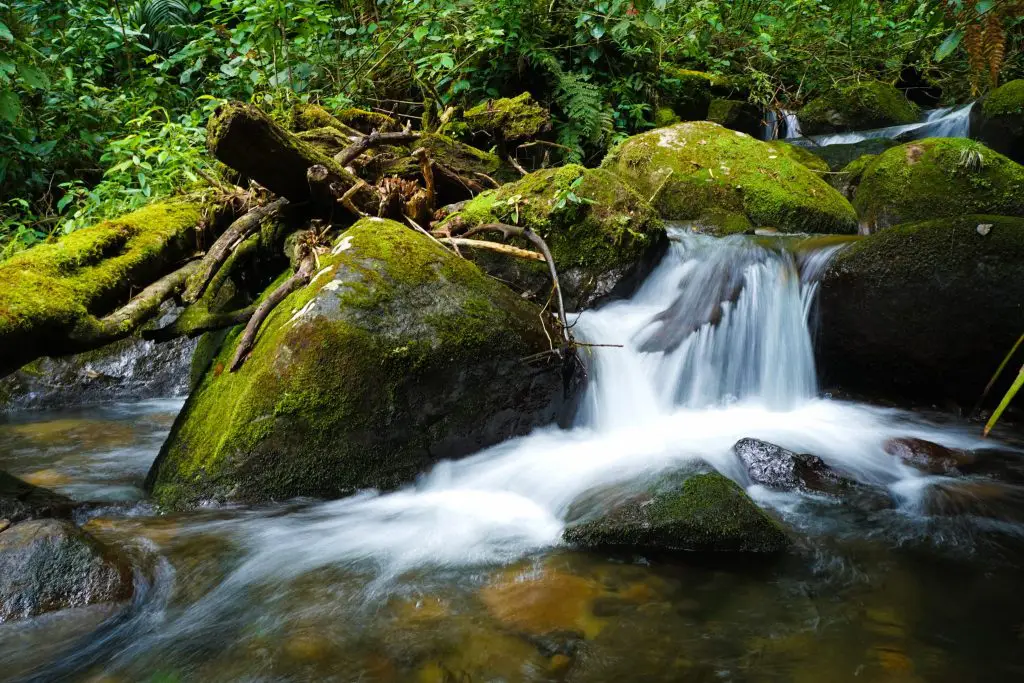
(948, 122)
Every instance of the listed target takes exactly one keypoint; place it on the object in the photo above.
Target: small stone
(928, 456)
(984, 228)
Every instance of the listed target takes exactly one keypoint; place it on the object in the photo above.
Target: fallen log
(247, 140)
(63, 298)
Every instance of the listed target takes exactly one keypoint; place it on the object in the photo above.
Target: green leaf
(1017, 384)
(597, 30)
(447, 61)
(33, 77)
(984, 6)
(948, 45)
(5, 33)
(10, 106)
(420, 33)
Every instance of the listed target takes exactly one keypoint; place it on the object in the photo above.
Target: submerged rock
(778, 468)
(998, 120)
(50, 564)
(928, 456)
(690, 168)
(863, 106)
(938, 177)
(20, 501)
(703, 513)
(926, 310)
(976, 498)
(601, 232)
(396, 355)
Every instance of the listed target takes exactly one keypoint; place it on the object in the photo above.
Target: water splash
(948, 122)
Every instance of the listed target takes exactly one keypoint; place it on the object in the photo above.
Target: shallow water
(462, 576)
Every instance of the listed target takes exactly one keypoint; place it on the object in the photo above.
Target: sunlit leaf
(1017, 384)
(951, 42)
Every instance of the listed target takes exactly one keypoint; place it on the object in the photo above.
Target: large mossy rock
(51, 564)
(509, 119)
(689, 93)
(926, 310)
(938, 177)
(702, 513)
(837, 157)
(601, 232)
(50, 292)
(998, 120)
(866, 105)
(396, 355)
(690, 169)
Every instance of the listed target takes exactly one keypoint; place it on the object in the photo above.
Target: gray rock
(778, 468)
(20, 501)
(50, 564)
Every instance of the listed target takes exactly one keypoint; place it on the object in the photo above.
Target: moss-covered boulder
(866, 105)
(52, 291)
(998, 120)
(665, 116)
(701, 513)
(847, 180)
(926, 310)
(600, 231)
(938, 177)
(309, 117)
(509, 119)
(397, 354)
(689, 168)
(737, 115)
(51, 564)
(837, 157)
(801, 156)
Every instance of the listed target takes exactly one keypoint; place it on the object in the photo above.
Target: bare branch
(493, 246)
(374, 139)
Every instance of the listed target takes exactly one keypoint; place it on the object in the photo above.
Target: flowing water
(947, 122)
(462, 576)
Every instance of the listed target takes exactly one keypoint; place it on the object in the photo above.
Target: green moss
(328, 140)
(938, 177)
(308, 117)
(801, 156)
(865, 105)
(607, 227)
(687, 169)
(46, 291)
(463, 159)
(848, 179)
(509, 118)
(720, 222)
(367, 121)
(736, 115)
(665, 116)
(705, 512)
(688, 92)
(1006, 100)
(336, 394)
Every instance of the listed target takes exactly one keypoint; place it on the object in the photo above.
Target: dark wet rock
(935, 178)
(847, 181)
(863, 106)
(396, 355)
(929, 456)
(50, 564)
(737, 115)
(604, 238)
(778, 468)
(703, 513)
(128, 370)
(839, 156)
(923, 311)
(998, 120)
(20, 501)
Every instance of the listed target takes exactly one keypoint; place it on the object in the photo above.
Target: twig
(493, 246)
(221, 249)
(299, 279)
(374, 139)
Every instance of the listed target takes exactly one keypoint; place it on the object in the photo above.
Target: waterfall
(948, 122)
(714, 347)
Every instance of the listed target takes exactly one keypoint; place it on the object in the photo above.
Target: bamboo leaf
(1017, 384)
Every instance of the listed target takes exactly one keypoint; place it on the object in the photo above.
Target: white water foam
(948, 122)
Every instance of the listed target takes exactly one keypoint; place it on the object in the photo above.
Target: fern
(590, 120)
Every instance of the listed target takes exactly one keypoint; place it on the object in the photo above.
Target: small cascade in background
(948, 122)
(781, 125)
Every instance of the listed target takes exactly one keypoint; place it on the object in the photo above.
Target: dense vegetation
(103, 106)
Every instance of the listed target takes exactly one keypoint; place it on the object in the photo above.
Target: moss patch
(46, 291)
(865, 105)
(801, 156)
(308, 117)
(938, 177)
(665, 116)
(509, 118)
(736, 115)
(687, 169)
(384, 363)
(705, 512)
(595, 224)
(1007, 99)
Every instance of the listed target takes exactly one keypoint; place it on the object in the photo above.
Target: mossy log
(70, 296)
(247, 140)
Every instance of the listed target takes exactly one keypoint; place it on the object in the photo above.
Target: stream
(462, 576)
